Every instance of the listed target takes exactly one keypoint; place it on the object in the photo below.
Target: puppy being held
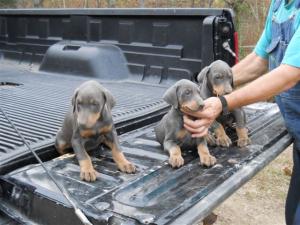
(217, 80)
(88, 124)
(170, 131)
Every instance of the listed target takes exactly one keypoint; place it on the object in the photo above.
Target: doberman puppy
(87, 124)
(170, 132)
(217, 80)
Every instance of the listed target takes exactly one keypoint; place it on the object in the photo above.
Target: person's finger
(201, 134)
(196, 123)
(195, 130)
(212, 108)
(197, 114)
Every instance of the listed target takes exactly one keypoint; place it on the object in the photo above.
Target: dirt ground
(261, 200)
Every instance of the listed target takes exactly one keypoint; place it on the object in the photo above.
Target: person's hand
(205, 117)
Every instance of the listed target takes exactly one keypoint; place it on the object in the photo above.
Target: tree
(8, 3)
(234, 4)
(206, 3)
(38, 3)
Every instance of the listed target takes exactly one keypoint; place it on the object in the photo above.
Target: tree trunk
(38, 3)
(142, 3)
(86, 3)
(210, 3)
(193, 4)
(98, 3)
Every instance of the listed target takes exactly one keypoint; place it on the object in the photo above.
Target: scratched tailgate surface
(156, 194)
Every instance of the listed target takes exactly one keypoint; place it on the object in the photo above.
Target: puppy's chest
(92, 138)
(96, 132)
(95, 136)
(183, 136)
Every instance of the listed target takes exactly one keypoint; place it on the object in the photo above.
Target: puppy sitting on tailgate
(87, 125)
(217, 80)
(170, 132)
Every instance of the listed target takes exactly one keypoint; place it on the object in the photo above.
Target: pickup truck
(136, 54)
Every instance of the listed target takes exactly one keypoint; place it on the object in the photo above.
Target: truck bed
(156, 194)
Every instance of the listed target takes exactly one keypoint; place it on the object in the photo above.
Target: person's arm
(256, 63)
(248, 69)
(274, 82)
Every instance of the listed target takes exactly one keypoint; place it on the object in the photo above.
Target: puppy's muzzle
(227, 90)
(87, 120)
(193, 105)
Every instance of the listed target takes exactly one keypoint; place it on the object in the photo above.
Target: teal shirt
(292, 54)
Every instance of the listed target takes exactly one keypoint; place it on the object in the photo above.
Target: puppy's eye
(188, 92)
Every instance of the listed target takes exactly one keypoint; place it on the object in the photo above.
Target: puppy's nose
(228, 89)
(201, 105)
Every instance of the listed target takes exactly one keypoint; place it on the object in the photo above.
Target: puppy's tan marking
(205, 157)
(87, 133)
(243, 139)
(105, 129)
(175, 159)
(218, 90)
(61, 148)
(93, 117)
(221, 137)
(123, 164)
(87, 171)
(182, 133)
(191, 105)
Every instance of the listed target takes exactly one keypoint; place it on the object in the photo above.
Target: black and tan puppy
(217, 80)
(88, 124)
(170, 132)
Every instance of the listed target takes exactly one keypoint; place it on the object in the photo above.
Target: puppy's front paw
(243, 139)
(176, 161)
(87, 171)
(242, 142)
(223, 140)
(88, 174)
(207, 160)
(126, 167)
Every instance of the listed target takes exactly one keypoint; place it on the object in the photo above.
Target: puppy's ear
(170, 96)
(74, 100)
(203, 74)
(110, 101)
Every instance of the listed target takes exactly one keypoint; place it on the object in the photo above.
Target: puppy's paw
(242, 142)
(207, 160)
(223, 141)
(88, 174)
(126, 167)
(176, 161)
